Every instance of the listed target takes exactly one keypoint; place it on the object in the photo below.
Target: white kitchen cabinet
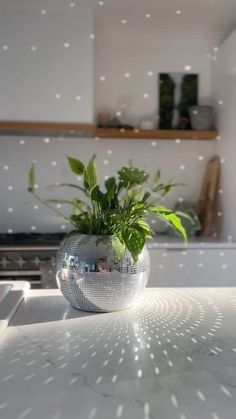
(193, 267)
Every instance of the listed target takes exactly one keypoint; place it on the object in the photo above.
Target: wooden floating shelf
(161, 134)
(43, 128)
(71, 129)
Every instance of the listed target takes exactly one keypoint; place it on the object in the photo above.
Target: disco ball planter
(95, 274)
(103, 264)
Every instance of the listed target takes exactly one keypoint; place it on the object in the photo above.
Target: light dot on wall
(200, 158)
(109, 151)
(216, 49)
(182, 167)
(72, 4)
(36, 207)
(150, 73)
(10, 188)
(43, 12)
(187, 67)
(46, 140)
(63, 227)
(127, 75)
(22, 142)
(33, 228)
(106, 177)
(180, 199)
(33, 48)
(6, 167)
(102, 78)
(58, 206)
(124, 21)
(218, 137)
(66, 45)
(178, 12)
(10, 210)
(220, 102)
(145, 95)
(118, 113)
(101, 3)
(92, 36)
(57, 95)
(5, 47)
(219, 214)
(221, 191)
(78, 98)
(54, 163)
(153, 143)
(178, 141)
(10, 231)
(148, 15)
(105, 162)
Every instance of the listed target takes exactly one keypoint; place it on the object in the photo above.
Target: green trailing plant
(120, 209)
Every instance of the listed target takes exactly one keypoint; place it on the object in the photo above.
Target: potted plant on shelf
(103, 264)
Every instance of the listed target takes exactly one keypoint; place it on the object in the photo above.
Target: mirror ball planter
(94, 275)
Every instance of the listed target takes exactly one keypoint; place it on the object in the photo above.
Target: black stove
(29, 257)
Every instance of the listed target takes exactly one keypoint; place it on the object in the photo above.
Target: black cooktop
(31, 238)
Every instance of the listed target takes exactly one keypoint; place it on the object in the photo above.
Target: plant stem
(44, 202)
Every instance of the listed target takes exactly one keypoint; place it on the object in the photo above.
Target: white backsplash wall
(46, 62)
(128, 60)
(182, 161)
(47, 74)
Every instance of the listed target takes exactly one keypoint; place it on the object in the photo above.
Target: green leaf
(158, 210)
(177, 225)
(144, 225)
(111, 188)
(170, 217)
(99, 197)
(185, 215)
(157, 177)
(130, 176)
(146, 196)
(76, 165)
(134, 241)
(31, 178)
(90, 176)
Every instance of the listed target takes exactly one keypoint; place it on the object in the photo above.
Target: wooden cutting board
(206, 205)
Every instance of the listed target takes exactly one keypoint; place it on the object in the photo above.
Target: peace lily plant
(120, 209)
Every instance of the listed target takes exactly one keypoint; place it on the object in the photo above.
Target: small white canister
(147, 124)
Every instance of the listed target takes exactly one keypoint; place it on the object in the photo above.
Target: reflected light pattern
(171, 356)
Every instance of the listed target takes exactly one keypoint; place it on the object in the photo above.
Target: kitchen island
(171, 356)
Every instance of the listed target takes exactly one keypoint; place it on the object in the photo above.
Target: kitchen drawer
(192, 267)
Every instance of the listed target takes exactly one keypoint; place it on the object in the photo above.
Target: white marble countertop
(172, 356)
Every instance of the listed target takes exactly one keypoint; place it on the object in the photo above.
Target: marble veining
(172, 356)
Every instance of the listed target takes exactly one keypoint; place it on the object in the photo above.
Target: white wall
(124, 49)
(225, 103)
(30, 94)
(43, 56)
